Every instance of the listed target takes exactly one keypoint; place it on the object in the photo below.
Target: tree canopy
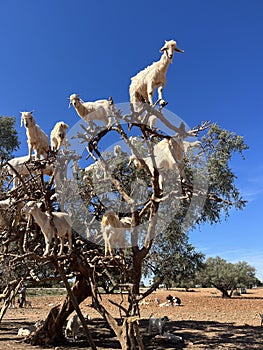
(8, 137)
(173, 260)
(226, 276)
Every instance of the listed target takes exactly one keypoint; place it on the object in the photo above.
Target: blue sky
(50, 49)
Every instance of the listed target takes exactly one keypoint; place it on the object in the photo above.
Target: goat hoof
(163, 103)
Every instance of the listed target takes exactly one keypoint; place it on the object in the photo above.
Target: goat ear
(163, 48)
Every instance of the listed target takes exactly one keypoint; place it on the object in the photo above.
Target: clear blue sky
(50, 49)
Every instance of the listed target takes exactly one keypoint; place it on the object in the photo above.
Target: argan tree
(8, 140)
(123, 177)
(8, 137)
(226, 276)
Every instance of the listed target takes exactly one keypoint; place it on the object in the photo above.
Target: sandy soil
(204, 321)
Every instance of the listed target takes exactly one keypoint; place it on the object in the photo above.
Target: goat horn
(179, 50)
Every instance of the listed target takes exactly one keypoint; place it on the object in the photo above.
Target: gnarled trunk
(51, 331)
(225, 294)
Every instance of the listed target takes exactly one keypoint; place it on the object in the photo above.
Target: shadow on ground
(195, 334)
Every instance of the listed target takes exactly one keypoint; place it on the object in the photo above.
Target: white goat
(36, 138)
(168, 155)
(164, 159)
(56, 226)
(72, 326)
(24, 332)
(58, 135)
(89, 111)
(113, 231)
(172, 338)
(154, 76)
(21, 166)
(157, 324)
(166, 303)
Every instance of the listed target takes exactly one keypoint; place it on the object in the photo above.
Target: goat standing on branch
(154, 76)
(56, 226)
(113, 231)
(168, 154)
(89, 111)
(20, 166)
(36, 138)
(58, 135)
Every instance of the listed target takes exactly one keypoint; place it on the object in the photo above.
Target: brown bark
(9, 295)
(51, 331)
(128, 331)
(137, 272)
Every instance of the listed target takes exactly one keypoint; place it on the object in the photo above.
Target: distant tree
(8, 137)
(226, 276)
(8, 142)
(258, 283)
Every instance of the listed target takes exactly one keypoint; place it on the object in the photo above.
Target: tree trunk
(225, 294)
(51, 332)
(9, 295)
(223, 290)
(136, 273)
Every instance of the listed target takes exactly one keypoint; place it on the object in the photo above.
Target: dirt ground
(204, 321)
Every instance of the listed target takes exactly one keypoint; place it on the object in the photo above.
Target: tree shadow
(215, 334)
(208, 334)
(195, 334)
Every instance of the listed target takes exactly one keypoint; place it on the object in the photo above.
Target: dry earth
(204, 320)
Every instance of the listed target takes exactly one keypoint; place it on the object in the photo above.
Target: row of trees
(157, 241)
(191, 271)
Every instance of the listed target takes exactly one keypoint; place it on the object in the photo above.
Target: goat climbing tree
(114, 181)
